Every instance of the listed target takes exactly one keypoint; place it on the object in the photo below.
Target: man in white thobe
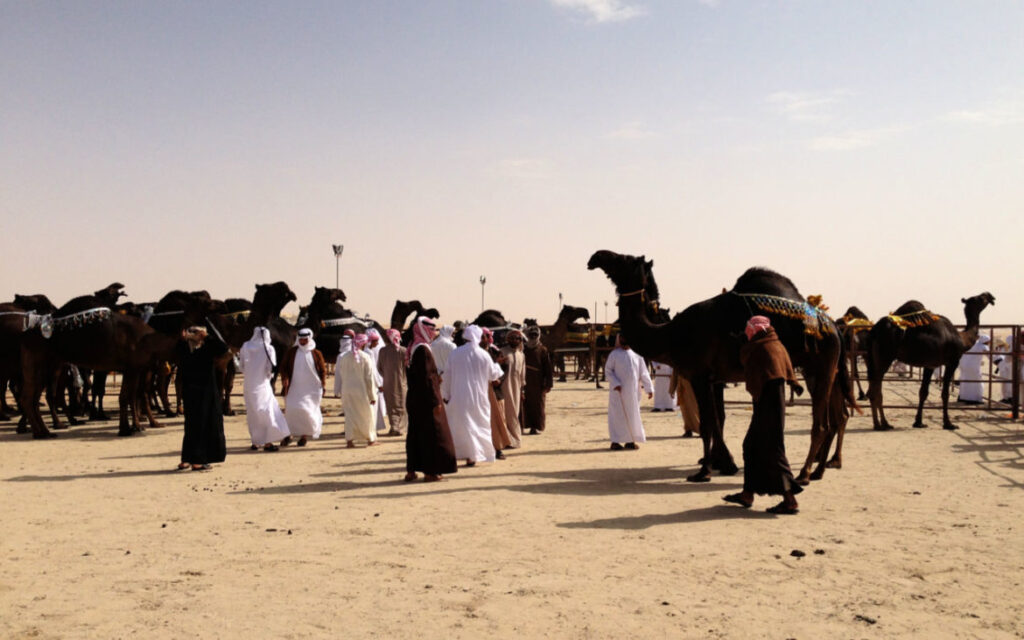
(972, 390)
(626, 372)
(303, 374)
(263, 414)
(464, 388)
(373, 348)
(442, 347)
(358, 393)
(663, 400)
(1004, 370)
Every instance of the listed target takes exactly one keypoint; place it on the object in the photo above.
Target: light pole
(606, 312)
(559, 303)
(483, 281)
(338, 248)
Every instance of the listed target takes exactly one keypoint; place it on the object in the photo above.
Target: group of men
(460, 398)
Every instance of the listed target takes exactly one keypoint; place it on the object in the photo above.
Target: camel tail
(843, 379)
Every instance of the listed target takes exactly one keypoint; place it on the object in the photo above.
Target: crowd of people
(457, 396)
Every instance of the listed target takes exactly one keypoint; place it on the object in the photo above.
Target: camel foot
(834, 463)
(818, 474)
(230, 412)
(73, 421)
(102, 415)
(949, 426)
(862, 396)
(124, 432)
(4, 417)
(44, 435)
(883, 427)
(803, 480)
(728, 468)
(21, 428)
(156, 425)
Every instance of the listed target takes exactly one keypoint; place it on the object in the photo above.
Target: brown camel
(553, 336)
(916, 336)
(703, 343)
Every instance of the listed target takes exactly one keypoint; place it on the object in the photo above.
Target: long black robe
(765, 466)
(203, 442)
(428, 445)
(539, 380)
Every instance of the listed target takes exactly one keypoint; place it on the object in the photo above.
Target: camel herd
(65, 353)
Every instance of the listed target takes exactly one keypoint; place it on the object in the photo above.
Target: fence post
(1015, 371)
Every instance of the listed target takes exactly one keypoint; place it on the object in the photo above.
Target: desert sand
(919, 535)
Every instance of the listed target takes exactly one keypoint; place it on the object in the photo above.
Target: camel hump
(764, 280)
(909, 306)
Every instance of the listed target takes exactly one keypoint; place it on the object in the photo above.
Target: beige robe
(513, 388)
(358, 388)
(687, 401)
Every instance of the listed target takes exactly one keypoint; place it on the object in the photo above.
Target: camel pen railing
(990, 403)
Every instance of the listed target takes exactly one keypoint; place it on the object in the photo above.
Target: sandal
(183, 466)
(737, 498)
(783, 509)
(201, 467)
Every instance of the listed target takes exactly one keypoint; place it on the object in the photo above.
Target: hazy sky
(871, 151)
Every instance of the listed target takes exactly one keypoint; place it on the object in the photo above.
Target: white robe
(346, 347)
(1005, 370)
(970, 369)
(358, 388)
(262, 412)
(662, 381)
(464, 387)
(302, 403)
(625, 368)
(441, 348)
(380, 407)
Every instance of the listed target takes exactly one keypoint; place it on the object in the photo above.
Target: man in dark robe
(767, 369)
(428, 446)
(539, 380)
(203, 442)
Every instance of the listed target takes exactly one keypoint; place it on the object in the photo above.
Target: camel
(914, 335)
(703, 343)
(854, 327)
(230, 321)
(328, 319)
(553, 336)
(13, 318)
(400, 314)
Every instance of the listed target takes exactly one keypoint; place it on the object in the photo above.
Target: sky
(873, 152)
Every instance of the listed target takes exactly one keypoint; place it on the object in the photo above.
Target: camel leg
(856, 376)
(947, 380)
(179, 405)
(702, 392)
(153, 424)
(820, 387)
(124, 401)
(163, 385)
(99, 389)
(227, 384)
(876, 371)
(32, 386)
(5, 409)
(922, 396)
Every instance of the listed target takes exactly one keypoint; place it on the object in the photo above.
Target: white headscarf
(261, 338)
(345, 346)
(472, 334)
(310, 344)
(447, 331)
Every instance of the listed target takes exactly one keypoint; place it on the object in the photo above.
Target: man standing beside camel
(626, 372)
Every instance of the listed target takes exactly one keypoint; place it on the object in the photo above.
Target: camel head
(530, 322)
(974, 305)
(323, 296)
(628, 273)
(572, 314)
(431, 313)
(38, 303)
(111, 294)
(271, 298)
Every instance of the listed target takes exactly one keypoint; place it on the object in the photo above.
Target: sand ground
(919, 535)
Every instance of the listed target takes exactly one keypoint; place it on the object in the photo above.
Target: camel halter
(642, 293)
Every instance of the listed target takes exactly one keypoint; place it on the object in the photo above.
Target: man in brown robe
(512, 386)
(681, 388)
(539, 380)
(428, 446)
(767, 369)
(499, 431)
(391, 366)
